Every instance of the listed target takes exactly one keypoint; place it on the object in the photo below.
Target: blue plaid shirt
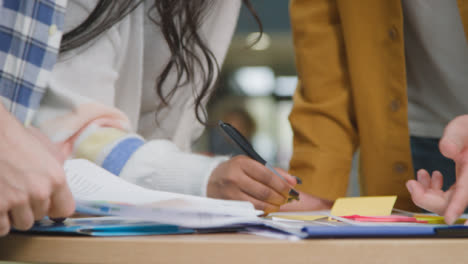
(30, 35)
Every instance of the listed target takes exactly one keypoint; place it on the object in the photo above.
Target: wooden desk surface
(229, 248)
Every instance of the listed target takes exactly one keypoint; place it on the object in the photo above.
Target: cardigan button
(400, 167)
(393, 33)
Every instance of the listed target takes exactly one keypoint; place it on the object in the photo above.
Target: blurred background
(256, 85)
(255, 88)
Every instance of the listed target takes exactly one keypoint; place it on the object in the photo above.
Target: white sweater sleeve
(160, 165)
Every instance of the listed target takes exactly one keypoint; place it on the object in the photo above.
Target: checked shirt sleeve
(30, 35)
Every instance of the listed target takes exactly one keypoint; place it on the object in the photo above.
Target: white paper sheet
(91, 184)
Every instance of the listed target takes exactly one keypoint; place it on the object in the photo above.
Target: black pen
(240, 141)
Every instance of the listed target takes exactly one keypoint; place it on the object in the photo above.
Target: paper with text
(97, 190)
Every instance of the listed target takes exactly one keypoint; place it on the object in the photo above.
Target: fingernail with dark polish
(298, 180)
(294, 194)
(58, 220)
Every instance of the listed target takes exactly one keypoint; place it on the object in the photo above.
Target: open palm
(426, 192)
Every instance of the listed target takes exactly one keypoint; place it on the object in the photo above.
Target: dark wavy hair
(179, 22)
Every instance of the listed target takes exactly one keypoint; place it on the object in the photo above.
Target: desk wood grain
(229, 248)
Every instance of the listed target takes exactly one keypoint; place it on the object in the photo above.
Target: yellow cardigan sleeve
(322, 118)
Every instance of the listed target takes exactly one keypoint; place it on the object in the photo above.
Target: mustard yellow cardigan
(352, 94)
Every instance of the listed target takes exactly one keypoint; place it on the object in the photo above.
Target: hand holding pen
(243, 178)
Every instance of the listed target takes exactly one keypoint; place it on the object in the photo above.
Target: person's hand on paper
(242, 178)
(426, 191)
(32, 181)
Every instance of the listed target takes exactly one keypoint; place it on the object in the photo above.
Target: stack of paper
(99, 192)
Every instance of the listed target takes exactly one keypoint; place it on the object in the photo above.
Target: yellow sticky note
(365, 206)
(300, 217)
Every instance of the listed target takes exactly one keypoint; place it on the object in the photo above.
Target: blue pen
(240, 141)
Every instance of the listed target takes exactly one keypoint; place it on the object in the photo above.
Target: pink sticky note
(390, 218)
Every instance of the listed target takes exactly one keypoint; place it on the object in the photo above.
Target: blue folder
(106, 227)
(385, 231)
(115, 226)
